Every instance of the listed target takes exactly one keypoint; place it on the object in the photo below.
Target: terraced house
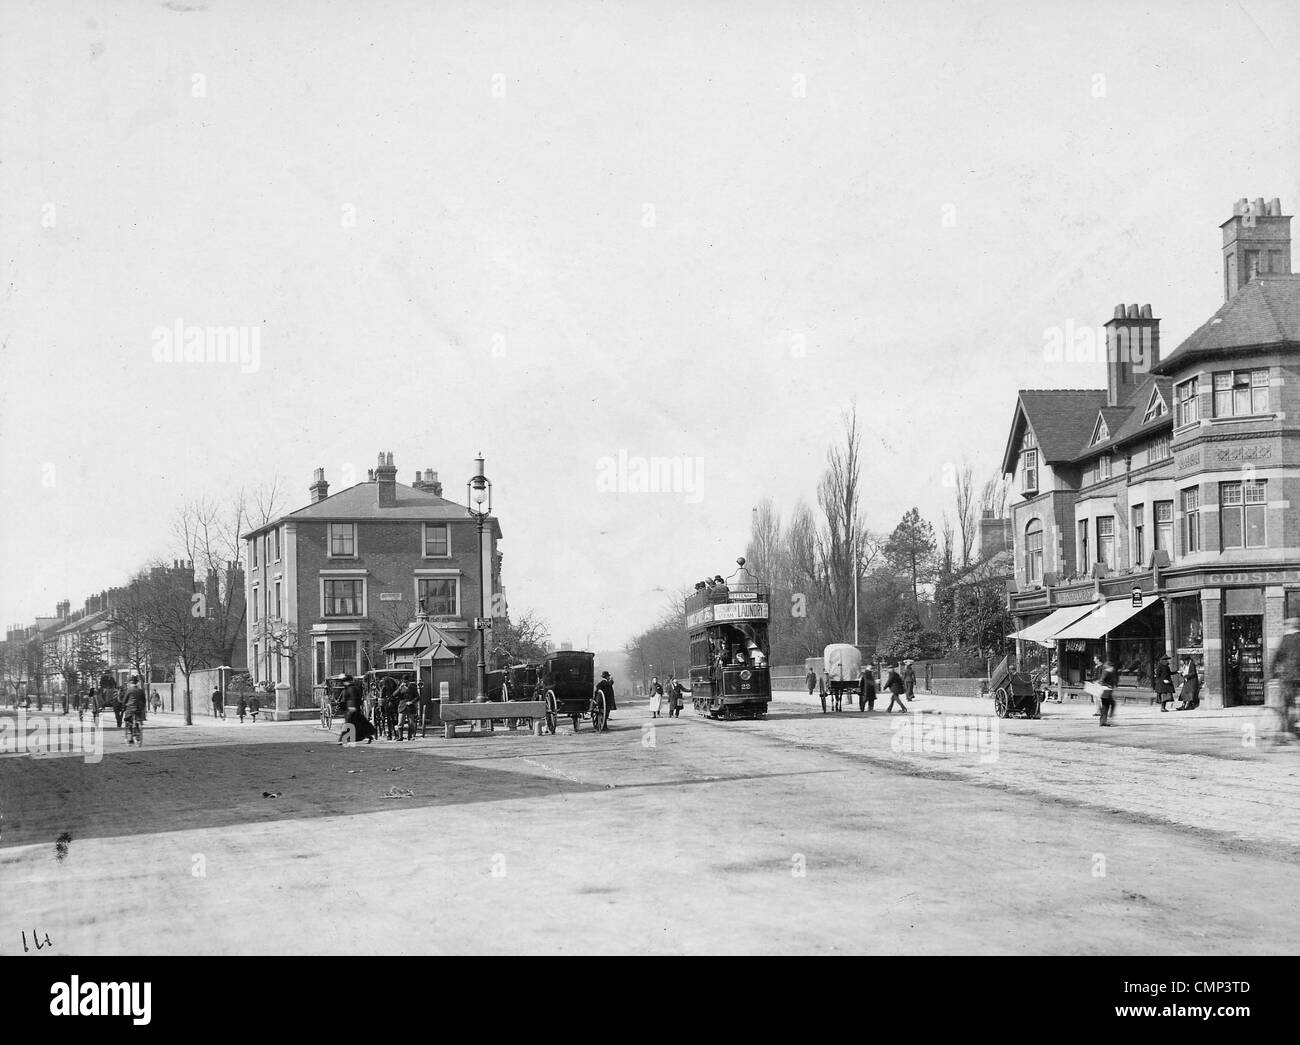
(1160, 513)
(331, 583)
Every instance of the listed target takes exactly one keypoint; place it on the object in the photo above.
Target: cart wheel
(598, 715)
(552, 717)
(1001, 702)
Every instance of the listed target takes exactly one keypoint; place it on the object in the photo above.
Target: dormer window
(1100, 431)
(1156, 406)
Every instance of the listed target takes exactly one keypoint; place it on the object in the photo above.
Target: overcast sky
(557, 231)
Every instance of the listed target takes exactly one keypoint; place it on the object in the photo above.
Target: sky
(560, 233)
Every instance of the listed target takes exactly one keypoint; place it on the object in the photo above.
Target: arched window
(1034, 552)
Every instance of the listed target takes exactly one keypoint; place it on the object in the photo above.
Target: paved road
(803, 833)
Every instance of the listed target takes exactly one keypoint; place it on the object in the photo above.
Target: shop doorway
(1243, 660)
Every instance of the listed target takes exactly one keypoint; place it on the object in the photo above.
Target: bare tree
(967, 511)
(995, 495)
(284, 640)
(177, 627)
(947, 555)
(129, 622)
(843, 538)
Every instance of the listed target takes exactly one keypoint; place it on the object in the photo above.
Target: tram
(727, 622)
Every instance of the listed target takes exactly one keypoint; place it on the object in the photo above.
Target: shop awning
(1105, 618)
(1045, 630)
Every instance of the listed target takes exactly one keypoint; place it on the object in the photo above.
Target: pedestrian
(674, 697)
(133, 707)
(218, 708)
(811, 680)
(866, 689)
(1286, 670)
(1164, 682)
(389, 705)
(254, 706)
(909, 680)
(929, 677)
(656, 697)
(155, 702)
(821, 691)
(407, 708)
(242, 707)
(606, 687)
(894, 683)
(1106, 679)
(1190, 695)
(118, 707)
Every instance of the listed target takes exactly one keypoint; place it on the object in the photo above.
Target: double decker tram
(727, 622)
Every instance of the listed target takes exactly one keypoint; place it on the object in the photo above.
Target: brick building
(331, 583)
(1160, 513)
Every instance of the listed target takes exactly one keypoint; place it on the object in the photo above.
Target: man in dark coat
(909, 680)
(894, 683)
(1286, 669)
(606, 686)
(133, 708)
(866, 689)
(1164, 682)
(1107, 679)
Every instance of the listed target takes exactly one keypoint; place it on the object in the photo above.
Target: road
(802, 833)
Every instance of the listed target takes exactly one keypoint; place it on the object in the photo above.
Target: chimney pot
(1275, 207)
(1132, 312)
(1119, 312)
(1259, 206)
(1146, 312)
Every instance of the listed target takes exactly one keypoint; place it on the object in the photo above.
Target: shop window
(1242, 522)
(1240, 393)
(1191, 520)
(1106, 541)
(1188, 633)
(1187, 402)
(1034, 552)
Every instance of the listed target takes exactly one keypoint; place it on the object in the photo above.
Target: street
(804, 833)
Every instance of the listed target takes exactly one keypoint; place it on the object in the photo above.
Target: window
(342, 598)
(266, 606)
(1034, 552)
(256, 594)
(252, 552)
(1155, 406)
(343, 540)
(1164, 513)
(1103, 466)
(277, 544)
(278, 613)
(343, 656)
(1241, 514)
(1187, 402)
(1240, 393)
(266, 549)
(1084, 560)
(320, 663)
(438, 596)
(1139, 548)
(1191, 520)
(1106, 541)
(1159, 450)
(437, 541)
(256, 663)
(1029, 471)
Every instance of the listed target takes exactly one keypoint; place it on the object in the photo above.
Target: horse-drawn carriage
(1015, 692)
(566, 682)
(843, 673)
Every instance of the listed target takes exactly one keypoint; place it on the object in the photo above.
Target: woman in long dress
(656, 697)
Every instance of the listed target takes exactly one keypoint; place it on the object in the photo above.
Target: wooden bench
(472, 711)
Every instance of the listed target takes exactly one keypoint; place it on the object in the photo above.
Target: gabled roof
(1057, 416)
(360, 503)
(1125, 420)
(1266, 311)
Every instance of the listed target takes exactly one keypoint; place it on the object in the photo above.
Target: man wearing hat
(606, 686)
(1164, 682)
(1286, 669)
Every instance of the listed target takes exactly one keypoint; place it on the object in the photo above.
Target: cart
(566, 683)
(1014, 692)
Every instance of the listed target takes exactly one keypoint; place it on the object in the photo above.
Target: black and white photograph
(651, 479)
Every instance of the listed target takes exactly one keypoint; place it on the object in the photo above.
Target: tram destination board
(728, 611)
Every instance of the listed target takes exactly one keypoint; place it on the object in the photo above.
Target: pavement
(942, 831)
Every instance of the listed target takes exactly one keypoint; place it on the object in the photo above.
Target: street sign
(483, 623)
(1137, 597)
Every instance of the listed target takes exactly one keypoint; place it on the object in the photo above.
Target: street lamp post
(479, 495)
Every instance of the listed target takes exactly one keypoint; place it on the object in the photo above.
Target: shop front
(1127, 632)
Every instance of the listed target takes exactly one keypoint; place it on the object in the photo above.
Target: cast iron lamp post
(479, 495)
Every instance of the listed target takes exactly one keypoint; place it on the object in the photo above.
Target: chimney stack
(1132, 349)
(1256, 242)
(386, 481)
(319, 488)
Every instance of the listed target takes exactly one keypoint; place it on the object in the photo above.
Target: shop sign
(1076, 597)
